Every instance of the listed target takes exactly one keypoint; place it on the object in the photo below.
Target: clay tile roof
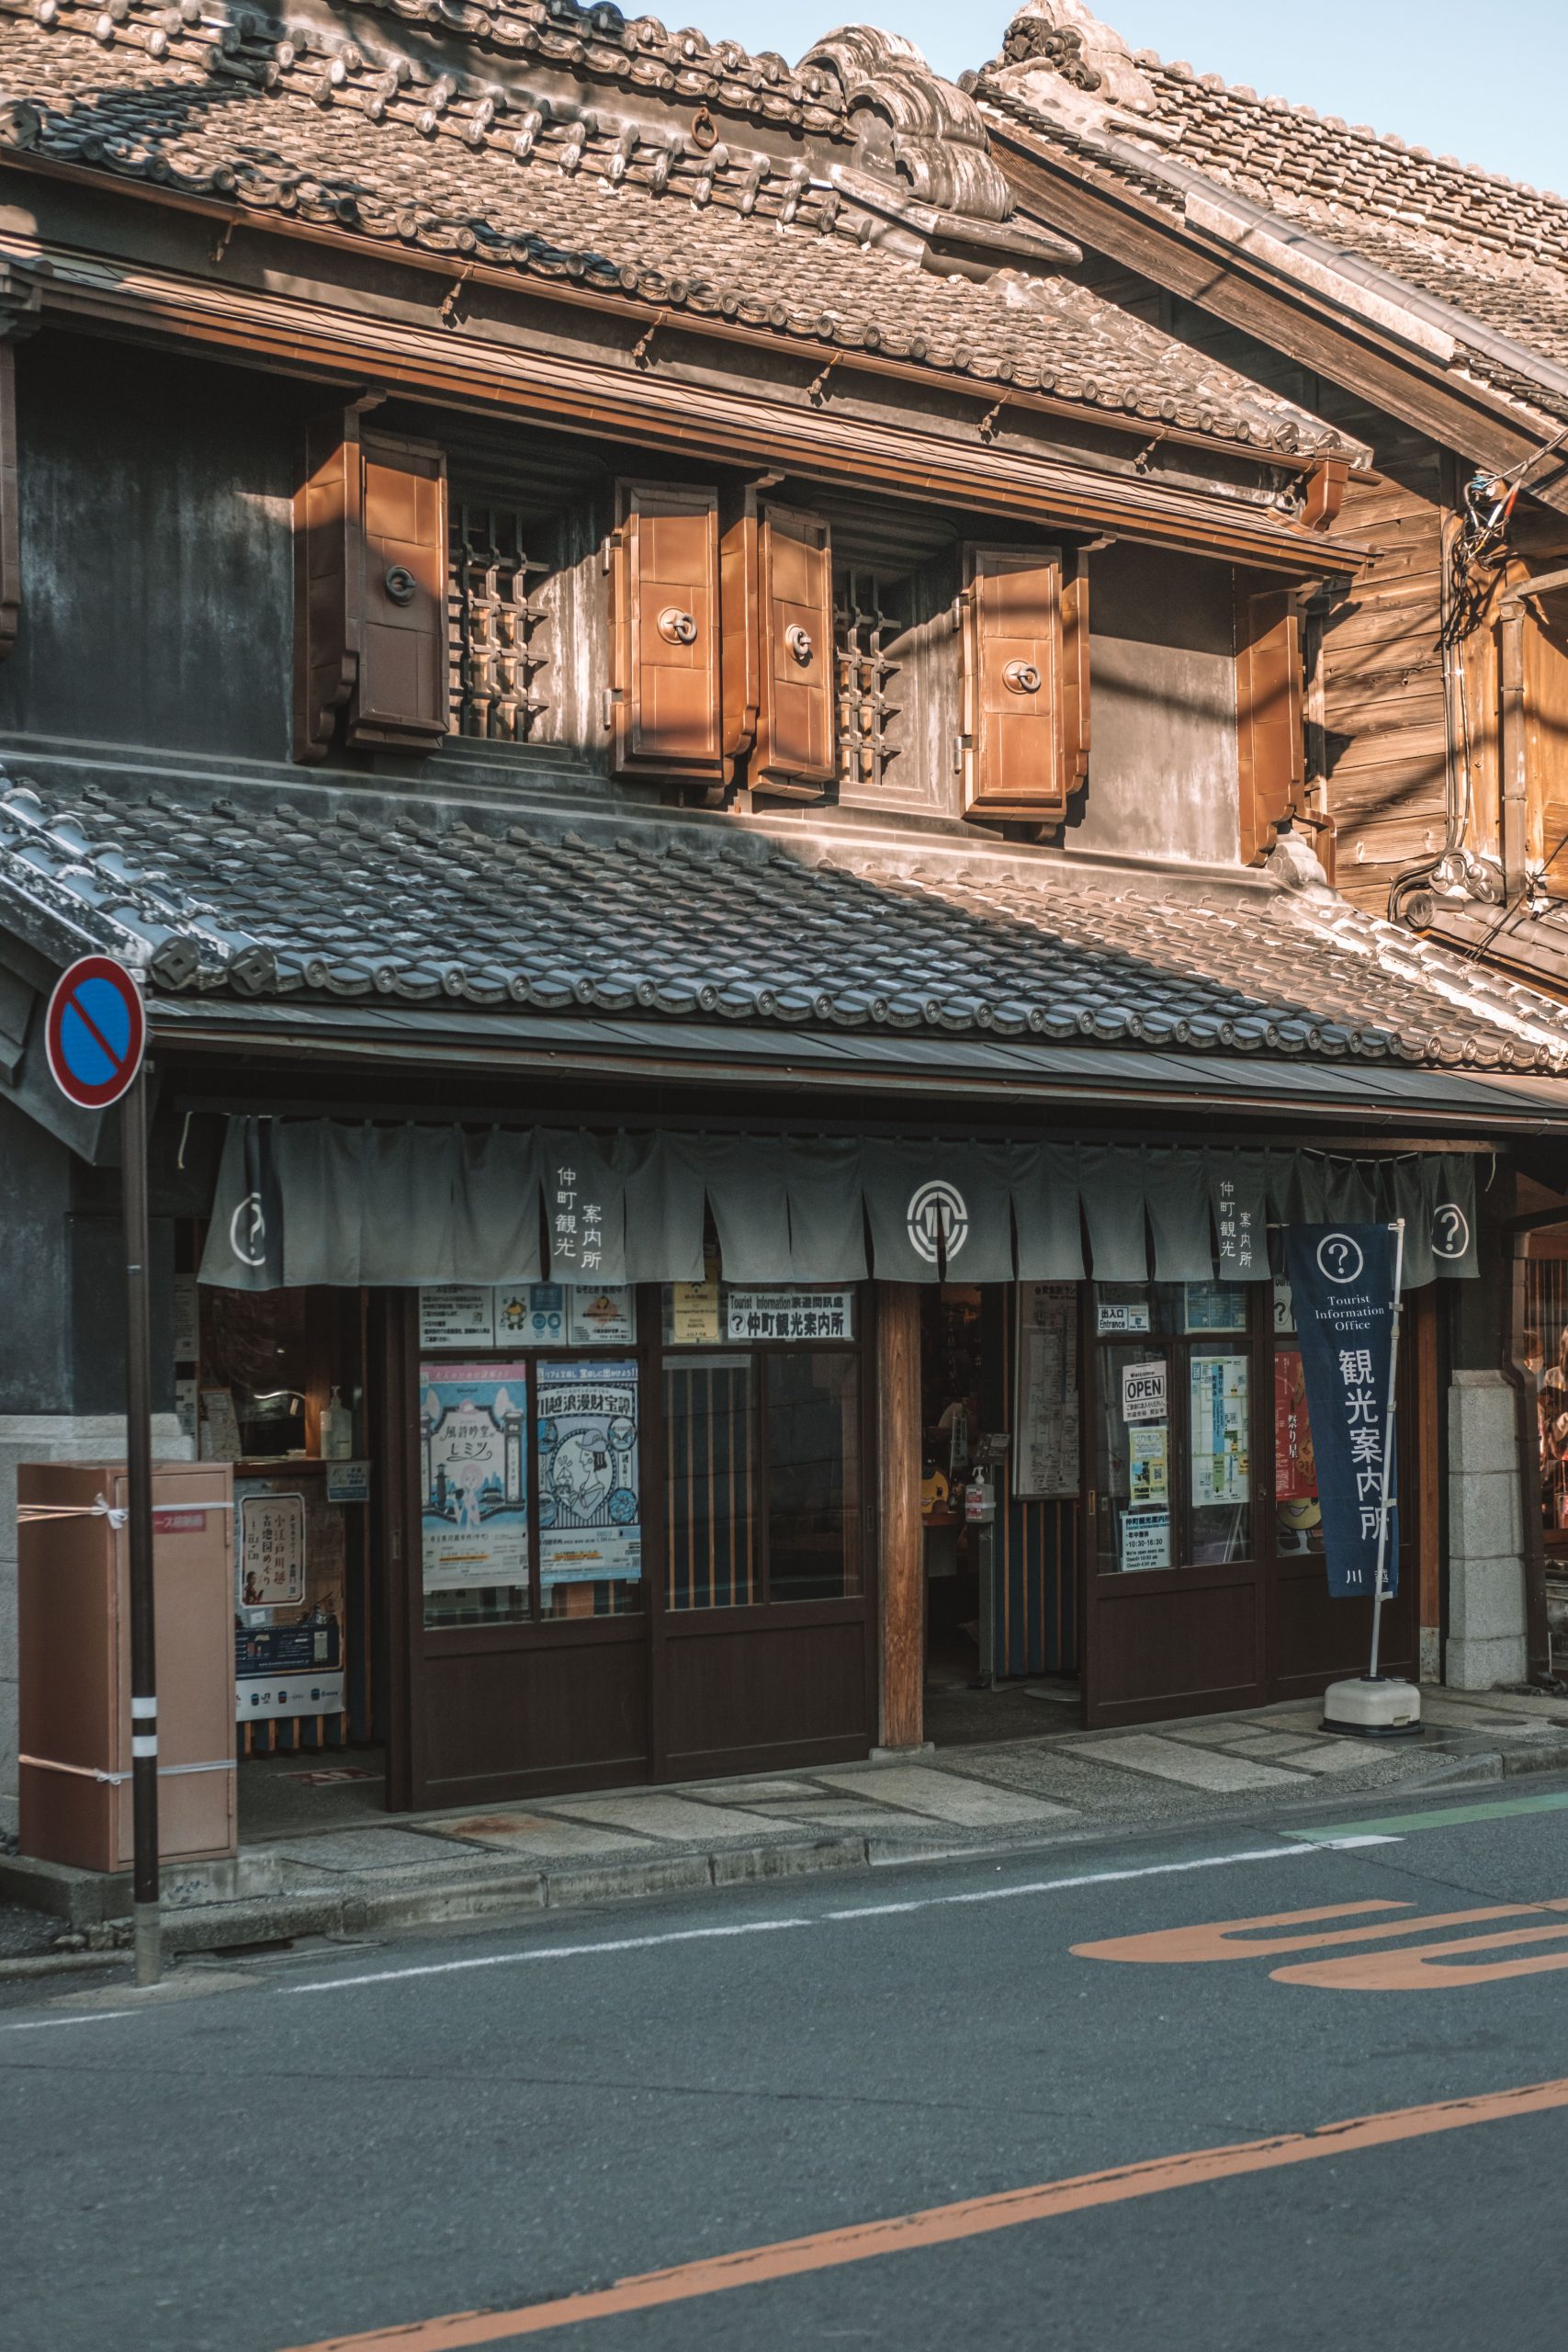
(1491, 249)
(352, 899)
(823, 204)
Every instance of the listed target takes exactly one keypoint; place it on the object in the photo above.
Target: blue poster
(1342, 1280)
(475, 1511)
(590, 1510)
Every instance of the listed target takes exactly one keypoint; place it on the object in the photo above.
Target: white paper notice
(457, 1314)
(1145, 1539)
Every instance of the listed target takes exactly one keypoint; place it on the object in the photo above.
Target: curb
(357, 1908)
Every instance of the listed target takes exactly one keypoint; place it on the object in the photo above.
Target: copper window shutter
(795, 752)
(369, 590)
(665, 712)
(1270, 738)
(1024, 742)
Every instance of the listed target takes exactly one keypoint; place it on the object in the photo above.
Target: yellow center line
(944, 2224)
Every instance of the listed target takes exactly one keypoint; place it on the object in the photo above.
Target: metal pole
(139, 1532)
(1388, 1441)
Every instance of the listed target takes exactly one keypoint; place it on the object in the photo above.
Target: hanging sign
(1342, 1289)
(1145, 1391)
(791, 1314)
(94, 1033)
(1045, 1410)
(589, 1516)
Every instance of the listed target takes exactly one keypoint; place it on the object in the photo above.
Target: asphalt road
(352, 2141)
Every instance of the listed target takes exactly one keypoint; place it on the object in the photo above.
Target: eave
(488, 365)
(1461, 414)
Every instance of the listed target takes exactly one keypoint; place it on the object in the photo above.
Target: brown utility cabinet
(73, 1643)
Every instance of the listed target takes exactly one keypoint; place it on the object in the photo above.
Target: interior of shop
(1000, 1565)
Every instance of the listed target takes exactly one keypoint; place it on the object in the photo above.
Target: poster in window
(1145, 1539)
(1148, 1475)
(1296, 1471)
(271, 1551)
(691, 1314)
(457, 1315)
(601, 1315)
(1213, 1307)
(589, 1515)
(1220, 1468)
(474, 1515)
(1045, 1409)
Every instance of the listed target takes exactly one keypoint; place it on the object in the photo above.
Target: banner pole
(1398, 1230)
(139, 1534)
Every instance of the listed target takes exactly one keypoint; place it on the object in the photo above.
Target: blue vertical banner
(1342, 1286)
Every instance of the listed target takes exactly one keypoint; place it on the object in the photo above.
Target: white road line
(859, 1911)
(95, 2017)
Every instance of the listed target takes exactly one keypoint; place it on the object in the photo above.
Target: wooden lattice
(867, 619)
(496, 657)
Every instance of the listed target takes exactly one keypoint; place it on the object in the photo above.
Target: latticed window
(870, 615)
(494, 637)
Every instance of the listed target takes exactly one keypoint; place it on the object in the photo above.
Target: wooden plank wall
(1385, 730)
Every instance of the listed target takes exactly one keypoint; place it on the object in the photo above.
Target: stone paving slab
(1168, 1760)
(535, 1838)
(655, 1813)
(941, 1796)
(370, 1850)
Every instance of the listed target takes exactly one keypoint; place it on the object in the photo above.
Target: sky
(1489, 86)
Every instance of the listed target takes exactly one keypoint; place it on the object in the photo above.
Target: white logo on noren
(937, 1220)
(247, 1231)
(1450, 1230)
(1339, 1256)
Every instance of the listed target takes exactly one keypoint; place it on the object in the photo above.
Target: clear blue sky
(1488, 83)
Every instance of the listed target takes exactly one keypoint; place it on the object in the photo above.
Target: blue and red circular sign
(96, 1032)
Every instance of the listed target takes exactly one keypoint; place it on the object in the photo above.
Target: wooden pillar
(902, 1582)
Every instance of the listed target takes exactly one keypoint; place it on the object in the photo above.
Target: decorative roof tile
(853, 203)
(349, 898)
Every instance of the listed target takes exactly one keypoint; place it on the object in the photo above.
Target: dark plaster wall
(1163, 764)
(62, 1275)
(157, 550)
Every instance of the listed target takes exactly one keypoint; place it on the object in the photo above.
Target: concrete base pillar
(52, 1437)
(1486, 1568)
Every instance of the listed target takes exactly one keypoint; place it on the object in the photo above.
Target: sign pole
(1398, 1229)
(139, 1532)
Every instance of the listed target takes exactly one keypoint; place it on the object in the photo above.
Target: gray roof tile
(262, 898)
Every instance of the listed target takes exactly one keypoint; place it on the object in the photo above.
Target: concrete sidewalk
(379, 1872)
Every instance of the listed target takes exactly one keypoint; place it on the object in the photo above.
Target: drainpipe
(1513, 761)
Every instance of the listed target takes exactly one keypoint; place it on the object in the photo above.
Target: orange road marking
(1216, 1940)
(1431, 1968)
(945, 2225)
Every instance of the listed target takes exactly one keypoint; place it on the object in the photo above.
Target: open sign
(1145, 1392)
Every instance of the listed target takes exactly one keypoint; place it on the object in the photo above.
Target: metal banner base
(1374, 1706)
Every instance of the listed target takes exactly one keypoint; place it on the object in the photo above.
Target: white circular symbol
(1450, 1230)
(937, 1220)
(1339, 1258)
(247, 1231)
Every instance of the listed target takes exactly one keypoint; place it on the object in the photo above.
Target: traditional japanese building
(692, 737)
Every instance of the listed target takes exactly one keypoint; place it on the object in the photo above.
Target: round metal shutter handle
(798, 640)
(1022, 678)
(401, 584)
(677, 627)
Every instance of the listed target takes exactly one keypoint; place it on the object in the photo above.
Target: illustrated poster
(589, 1516)
(473, 1474)
(600, 1315)
(1148, 1473)
(290, 1573)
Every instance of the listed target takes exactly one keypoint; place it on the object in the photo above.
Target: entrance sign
(96, 1032)
(791, 1314)
(1343, 1289)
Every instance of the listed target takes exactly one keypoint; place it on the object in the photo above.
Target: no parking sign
(95, 1032)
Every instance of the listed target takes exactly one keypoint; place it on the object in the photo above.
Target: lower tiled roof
(348, 897)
